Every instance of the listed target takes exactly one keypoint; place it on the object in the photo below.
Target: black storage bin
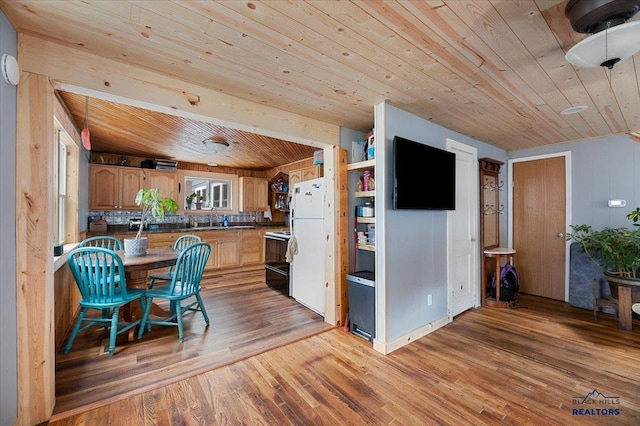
(362, 318)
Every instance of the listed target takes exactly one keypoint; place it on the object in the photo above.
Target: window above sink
(210, 193)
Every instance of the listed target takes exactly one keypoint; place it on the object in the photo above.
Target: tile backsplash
(122, 217)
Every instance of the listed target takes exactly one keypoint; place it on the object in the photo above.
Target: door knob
(559, 235)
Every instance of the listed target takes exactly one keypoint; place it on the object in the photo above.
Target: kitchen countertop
(169, 228)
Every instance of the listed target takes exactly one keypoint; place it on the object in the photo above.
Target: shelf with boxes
(364, 220)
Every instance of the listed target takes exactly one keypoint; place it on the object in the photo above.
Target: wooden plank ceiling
(492, 70)
(124, 129)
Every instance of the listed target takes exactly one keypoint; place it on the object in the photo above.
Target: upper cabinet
(166, 182)
(114, 188)
(301, 175)
(253, 194)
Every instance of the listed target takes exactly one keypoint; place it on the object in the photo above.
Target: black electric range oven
(276, 265)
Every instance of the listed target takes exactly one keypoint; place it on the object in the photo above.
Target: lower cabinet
(225, 248)
(229, 249)
(252, 247)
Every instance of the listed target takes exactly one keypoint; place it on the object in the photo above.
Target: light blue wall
(8, 331)
(601, 169)
(415, 242)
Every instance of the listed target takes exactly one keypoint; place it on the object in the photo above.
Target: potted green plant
(190, 199)
(154, 204)
(199, 201)
(615, 250)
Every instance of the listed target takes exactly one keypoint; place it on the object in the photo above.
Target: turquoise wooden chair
(95, 270)
(111, 243)
(185, 284)
(181, 243)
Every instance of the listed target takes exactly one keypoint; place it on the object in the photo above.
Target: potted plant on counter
(199, 201)
(615, 250)
(152, 203)
(190, 199)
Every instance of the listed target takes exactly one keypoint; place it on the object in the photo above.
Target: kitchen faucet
(211, 214)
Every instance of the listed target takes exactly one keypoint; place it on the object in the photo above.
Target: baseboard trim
(387, 348)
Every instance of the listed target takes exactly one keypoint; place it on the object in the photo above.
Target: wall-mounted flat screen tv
(424, 176)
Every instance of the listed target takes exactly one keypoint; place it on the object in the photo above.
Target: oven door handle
(276, 270)
(272, 237)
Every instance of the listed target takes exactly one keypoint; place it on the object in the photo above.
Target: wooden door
(539, 223)
(104, 189)
(130, 183)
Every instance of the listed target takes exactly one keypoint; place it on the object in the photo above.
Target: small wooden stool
(498, 253)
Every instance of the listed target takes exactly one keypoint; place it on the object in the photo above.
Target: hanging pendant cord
(606, 54)
(86, 111)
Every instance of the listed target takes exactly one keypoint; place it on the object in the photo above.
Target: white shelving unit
(361, 167)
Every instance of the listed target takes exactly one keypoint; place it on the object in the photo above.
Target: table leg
(133, 311)
(624, 308)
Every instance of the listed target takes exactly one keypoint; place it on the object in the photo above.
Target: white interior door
(462, 235)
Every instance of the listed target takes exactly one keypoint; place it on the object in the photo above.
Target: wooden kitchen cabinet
(252, 247)
(162, 180)
(311, 172)
(113, 187)
(253, 194)
(304, 174)
(225, 248)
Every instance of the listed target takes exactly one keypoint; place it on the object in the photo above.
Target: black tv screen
(424, 176)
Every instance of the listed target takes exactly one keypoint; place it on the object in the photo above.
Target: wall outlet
(429, 300)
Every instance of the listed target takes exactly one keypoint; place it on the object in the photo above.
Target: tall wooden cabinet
(253, 194)
(490, 210)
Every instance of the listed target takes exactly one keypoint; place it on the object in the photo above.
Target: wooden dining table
(136, 269)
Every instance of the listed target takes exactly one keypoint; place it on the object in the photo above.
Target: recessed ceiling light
(212, 164)
(573, 110)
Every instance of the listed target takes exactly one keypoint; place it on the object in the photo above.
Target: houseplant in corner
(152, 203)
(615, 250)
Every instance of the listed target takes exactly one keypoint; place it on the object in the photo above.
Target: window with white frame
(65, 185)
(62, 189)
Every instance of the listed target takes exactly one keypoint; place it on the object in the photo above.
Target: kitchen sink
(208, 228)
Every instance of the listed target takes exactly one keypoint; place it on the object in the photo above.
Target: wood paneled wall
(66, 304)
(107, 158)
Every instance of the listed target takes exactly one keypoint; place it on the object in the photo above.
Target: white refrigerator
(307, 268)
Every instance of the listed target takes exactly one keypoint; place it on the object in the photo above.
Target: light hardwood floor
(490, 366)
(246, 318)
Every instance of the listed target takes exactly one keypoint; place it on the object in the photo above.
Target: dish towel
(292, 249)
